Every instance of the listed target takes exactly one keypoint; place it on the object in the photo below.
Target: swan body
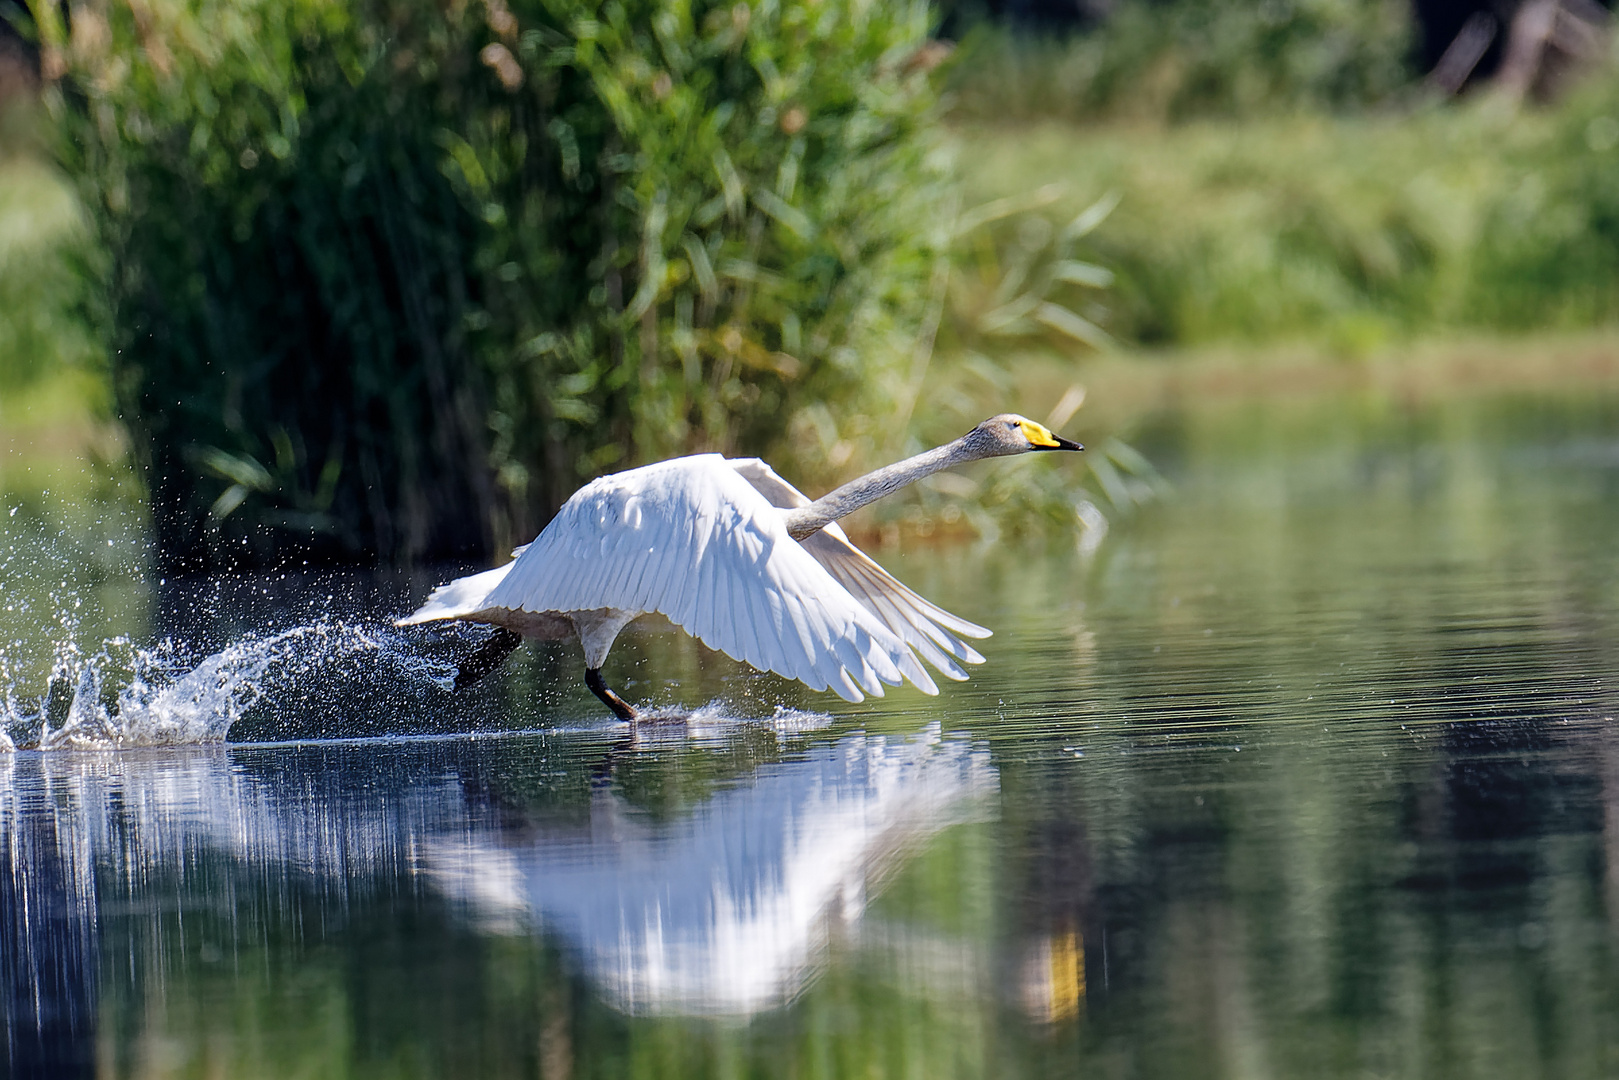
(737, 557)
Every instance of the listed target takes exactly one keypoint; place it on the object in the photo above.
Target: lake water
(1310, 769)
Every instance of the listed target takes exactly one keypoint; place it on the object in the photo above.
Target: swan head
(1010, 433)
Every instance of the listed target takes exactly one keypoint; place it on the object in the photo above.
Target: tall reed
(393, 277)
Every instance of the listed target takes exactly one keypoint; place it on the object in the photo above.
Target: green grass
(1348, 232)
(54, 399)
(1175, 60)
(41, 228)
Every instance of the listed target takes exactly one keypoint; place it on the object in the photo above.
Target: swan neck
(808, 520)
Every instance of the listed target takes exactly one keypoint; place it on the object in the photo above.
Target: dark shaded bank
(320, 392)
(386, 282)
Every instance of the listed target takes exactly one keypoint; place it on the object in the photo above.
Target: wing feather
(657, 569)
(844, 686)
(765, 630)
(752, 620)
(688, 579)
(924, 626)
(848, 651)
(459, 598)
(693, 540)
(629, 554)
(722, 617)
(916, 620)
(797, 646)
(923, 644)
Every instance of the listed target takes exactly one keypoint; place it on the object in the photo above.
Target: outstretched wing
(459, 599)
(467, 599)
(692, 540)
(927, 628)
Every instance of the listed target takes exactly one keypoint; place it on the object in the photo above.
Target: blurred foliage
(1182, 59)
(390, 278)
(1549, 246)
(1023, 285)
(43, 251)
(1348, 231)
(1019, 276)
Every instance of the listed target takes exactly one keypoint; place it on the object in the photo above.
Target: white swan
(738, 557)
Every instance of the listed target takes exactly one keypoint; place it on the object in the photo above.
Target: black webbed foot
(621, 708)
(488, 656)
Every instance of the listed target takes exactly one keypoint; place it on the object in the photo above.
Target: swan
(738, 557)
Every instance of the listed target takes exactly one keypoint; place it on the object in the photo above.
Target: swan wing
(926, 627)
(467, 599)
(694, 541)
(458, 599)
(462, 598)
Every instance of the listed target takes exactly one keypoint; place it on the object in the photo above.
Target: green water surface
(1309, 770)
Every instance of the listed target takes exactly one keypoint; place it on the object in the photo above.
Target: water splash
(717, 724)
(80, 670)
(163, 700)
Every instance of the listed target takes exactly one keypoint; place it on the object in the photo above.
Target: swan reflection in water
(726, 908)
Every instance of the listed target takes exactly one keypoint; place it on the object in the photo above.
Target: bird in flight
(739, 558)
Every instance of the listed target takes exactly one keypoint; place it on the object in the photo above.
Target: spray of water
(327, 676)
(164, 701)
(78, 672)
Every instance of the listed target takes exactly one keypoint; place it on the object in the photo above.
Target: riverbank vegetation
(381, 279)
(1350, 231)
(1148, 61)
(365, 281)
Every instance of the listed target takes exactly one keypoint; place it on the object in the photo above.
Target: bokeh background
(385, 281)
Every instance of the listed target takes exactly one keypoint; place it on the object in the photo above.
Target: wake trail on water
(162, 700)
(338, 673)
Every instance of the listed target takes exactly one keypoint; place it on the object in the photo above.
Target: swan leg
(489, 656)
(621, 708)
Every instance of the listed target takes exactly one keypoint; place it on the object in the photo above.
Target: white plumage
(707, 542)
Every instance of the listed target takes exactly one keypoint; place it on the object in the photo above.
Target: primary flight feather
(739, 558)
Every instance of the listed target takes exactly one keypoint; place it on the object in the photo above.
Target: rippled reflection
(724, 905)
(727, 907)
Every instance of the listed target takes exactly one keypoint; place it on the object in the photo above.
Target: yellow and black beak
(1041, 438)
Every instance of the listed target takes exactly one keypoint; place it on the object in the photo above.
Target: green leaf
(241, 469)
(1092, 216)
(228, 501)
(701, 268)
(790, 216)
(1006, 207)
(1083, 273)
(1080, 329)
